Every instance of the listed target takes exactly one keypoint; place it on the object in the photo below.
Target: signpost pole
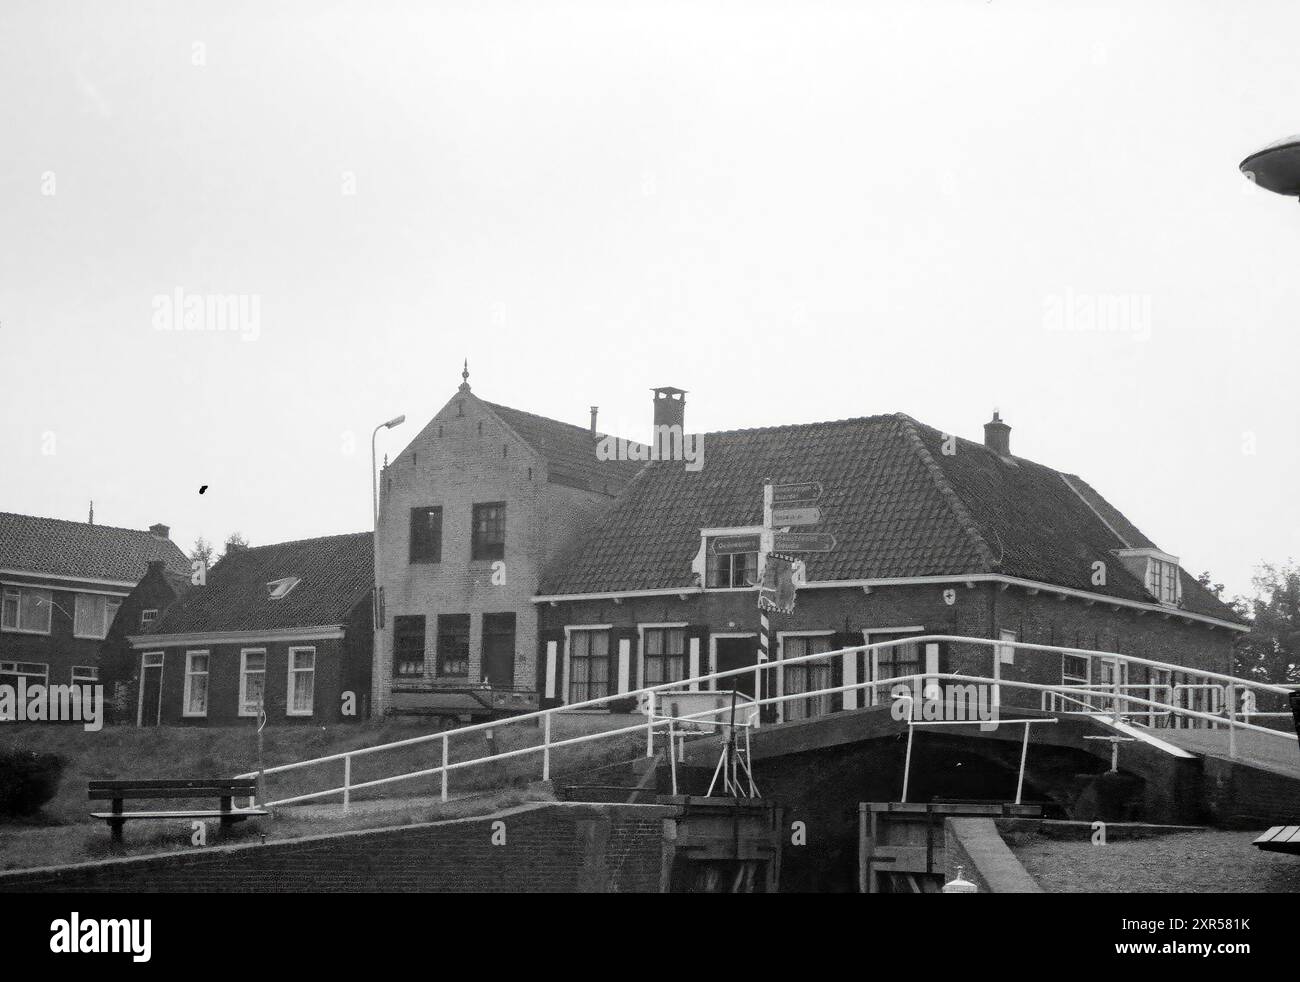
(762, 678)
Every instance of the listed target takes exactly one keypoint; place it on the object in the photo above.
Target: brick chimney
(997, 436)
(670, 407)
(594, 410)
(160, 531)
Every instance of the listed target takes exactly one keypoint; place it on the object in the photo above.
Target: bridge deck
(1253, 749)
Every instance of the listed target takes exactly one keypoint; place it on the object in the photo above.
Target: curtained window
(588, 665)
(664, 654)
(810, 676)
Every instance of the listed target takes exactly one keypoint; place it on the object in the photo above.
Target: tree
(202, 549)
(1271, 652)
(234, 542)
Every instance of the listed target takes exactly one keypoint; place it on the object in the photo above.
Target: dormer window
(728, 558)
(1158, 572)
(279, 589)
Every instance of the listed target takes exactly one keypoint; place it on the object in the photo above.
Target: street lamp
(374, 495)
(1277, 167)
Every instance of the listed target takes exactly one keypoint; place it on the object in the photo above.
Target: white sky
(797, 211)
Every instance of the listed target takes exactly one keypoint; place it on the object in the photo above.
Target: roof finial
(464, 375)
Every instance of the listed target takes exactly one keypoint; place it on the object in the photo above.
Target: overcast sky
(797, 211)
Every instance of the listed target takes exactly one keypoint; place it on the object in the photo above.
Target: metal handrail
(650, 694)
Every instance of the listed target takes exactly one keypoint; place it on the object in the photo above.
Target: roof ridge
(947, 491)
(73, 521)
(299, 542)
(876, 418)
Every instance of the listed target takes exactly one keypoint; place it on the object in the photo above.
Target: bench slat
(232, 815)
(220, 791)
(194, 782)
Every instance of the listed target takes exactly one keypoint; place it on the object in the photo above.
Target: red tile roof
(896, 504)
(79, 549)
(569, 450)
(335, 572)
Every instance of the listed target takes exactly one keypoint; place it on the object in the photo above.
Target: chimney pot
(997, 436)
(160, 531)
(594, 410)
(670, 407)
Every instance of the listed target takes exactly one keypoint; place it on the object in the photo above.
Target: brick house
(62, 584)
(286, 625)
(157, 590)
(935, 535)
(470, 513)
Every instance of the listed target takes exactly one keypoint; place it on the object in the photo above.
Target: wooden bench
(1280, 838)
(221, 789)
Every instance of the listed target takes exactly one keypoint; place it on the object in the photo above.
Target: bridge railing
(1115, 693)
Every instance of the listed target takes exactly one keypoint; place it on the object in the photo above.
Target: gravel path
(1192, 862)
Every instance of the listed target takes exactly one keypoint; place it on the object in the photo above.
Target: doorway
(149, 712)
(735, 653)
(499, 650)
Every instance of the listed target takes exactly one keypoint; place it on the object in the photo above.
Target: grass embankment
(64, 832)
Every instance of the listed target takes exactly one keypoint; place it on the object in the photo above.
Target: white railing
(1114, 692)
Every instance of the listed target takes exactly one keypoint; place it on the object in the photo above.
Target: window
(426, 535)
(94, 615)
(453, 644)
(281, 588)
(82, 674)
(1162, 580)
(196, 683)
(898, 661)
(489, 531)
(252, 680)
(408, 646)
(27, 609)
(148, 616)
(588, 665)
(302, 681)
(498, 662)
(740, 570)
(36, 672)
(810, 676)
(664, 654)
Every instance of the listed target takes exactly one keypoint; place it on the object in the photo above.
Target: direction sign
(784, 494)
(731, 545)
(803, 542)
(807, 515)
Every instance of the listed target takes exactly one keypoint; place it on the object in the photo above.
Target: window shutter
(553, 635)
(698, 635)
(837, 669)
(616, 681)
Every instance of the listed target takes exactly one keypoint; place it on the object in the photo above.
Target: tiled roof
(79, 549)
(334, 572)
(569, 450)
(896, 504)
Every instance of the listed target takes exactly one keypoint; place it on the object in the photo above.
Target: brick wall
(551, 848)
(979, 611)
(59, 649)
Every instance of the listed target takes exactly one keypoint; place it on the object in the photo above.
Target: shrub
(27, 780)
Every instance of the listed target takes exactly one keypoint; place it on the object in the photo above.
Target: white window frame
(81, 674)
(872, 666)
(190, 675)
(288, 702)
(149, 659)
(15, 668)
(244, 710)
(640, 647)
(18, 612)
(569, 630)
(780, 660)
(148, 610)
(111, 607)
(712, 533)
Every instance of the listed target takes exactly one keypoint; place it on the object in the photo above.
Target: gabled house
(152, 596)
(470, 513)
(520, 565)
(61, 586)
(934, 535)
(284, 628)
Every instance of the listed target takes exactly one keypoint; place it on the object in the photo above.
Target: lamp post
(374, 495)
(1276, 168)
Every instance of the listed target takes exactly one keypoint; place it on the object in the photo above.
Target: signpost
(806, 515)
(786, 494)
(732, 545)
(803, 541)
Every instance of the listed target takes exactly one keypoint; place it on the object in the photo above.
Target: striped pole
(762, 678)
